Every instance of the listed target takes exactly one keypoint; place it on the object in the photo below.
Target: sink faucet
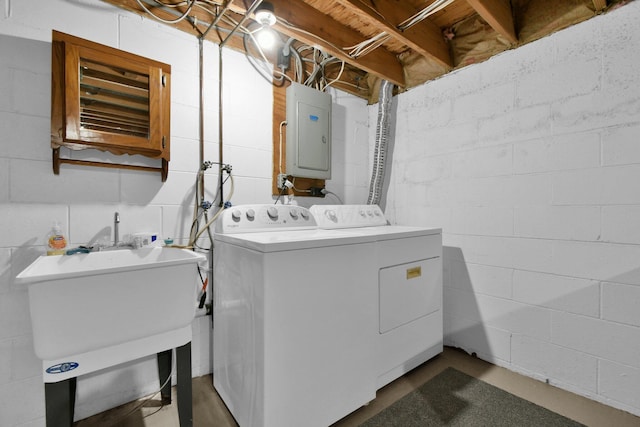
(116, 225)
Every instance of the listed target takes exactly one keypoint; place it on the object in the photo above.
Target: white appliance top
(365, 220)
(275, 228)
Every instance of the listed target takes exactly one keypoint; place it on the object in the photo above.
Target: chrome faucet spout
(116, 225)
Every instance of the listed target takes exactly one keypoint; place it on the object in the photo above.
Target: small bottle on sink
(56, 242)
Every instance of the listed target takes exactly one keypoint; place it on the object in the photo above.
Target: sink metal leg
(185, 403)
(60, 399)
(164, 372)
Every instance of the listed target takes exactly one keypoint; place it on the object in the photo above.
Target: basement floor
(209, 410)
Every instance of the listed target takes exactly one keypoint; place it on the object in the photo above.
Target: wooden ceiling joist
(424, 38)
(323, 31)
(600, 5)
(499, 15)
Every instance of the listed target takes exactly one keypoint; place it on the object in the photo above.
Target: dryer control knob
(273, 213)
(331, 215)
(236, 215)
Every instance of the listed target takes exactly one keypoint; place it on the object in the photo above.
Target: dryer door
(408, 292)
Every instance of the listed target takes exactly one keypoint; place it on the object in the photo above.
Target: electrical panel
(308, 132)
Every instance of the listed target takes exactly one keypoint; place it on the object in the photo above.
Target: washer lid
(289, 240)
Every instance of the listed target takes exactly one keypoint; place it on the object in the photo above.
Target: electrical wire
(118, 421)
(325, 191)
(167, 21)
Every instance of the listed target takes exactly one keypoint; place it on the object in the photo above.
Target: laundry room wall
(530, 162)
(84, 199)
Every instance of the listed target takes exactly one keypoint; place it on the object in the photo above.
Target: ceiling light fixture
(265, 15)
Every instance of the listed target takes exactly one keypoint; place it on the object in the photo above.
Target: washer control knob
(331, 214)
(273, 213)
(305, 215)
(294, 213)
(251, 214)
(236, 215)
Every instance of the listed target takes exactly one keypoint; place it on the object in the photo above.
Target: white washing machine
(295, 317)
(408, 286)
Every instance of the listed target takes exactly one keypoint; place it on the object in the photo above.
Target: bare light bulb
(266, 37)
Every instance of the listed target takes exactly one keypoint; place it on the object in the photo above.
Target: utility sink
(86, 302)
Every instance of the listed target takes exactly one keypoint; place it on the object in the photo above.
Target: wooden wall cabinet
(110, 100)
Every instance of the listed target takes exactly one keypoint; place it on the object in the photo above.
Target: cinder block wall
(530, 162)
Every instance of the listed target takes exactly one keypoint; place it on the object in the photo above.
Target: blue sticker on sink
(61, 368)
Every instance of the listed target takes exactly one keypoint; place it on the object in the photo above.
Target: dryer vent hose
(380, 150)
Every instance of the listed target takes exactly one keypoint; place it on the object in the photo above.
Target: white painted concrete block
(595, 111)
(141, 187)
(427, 169)
(25, 80)
(606, 186)
(599, 338)
(184, 121)
(22, 402)
(24, 137)
(34, 181)
(621, 145)
(486, 221)
(4, 180)
(558, 222)
(484, 162)
(504, 191)
(496, 100)
(14, 315)
(515, 317)
(428, 114)
(24, 362)
(558, 364)
(489, 343)
(562, 293)
(621, 224)
(482, 279)
(6, 347)
(621, 303)
(6, 276)
(619, 382)
(441, 140)
(597, 261)
(28, 224)
(557, 153)
(534, 122)
(578, 77)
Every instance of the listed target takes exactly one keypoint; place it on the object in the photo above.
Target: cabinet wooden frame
(67, 130)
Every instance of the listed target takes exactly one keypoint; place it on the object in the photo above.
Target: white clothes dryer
(408, 286)
(294, 317)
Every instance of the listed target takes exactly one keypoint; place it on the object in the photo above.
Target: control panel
(348, 216)
(260, 218)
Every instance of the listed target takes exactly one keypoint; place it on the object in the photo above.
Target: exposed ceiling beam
(424, 38)
(323, 31)
(498, 14)
(600, 5)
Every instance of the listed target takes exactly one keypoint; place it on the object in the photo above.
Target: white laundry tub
(87, 302)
